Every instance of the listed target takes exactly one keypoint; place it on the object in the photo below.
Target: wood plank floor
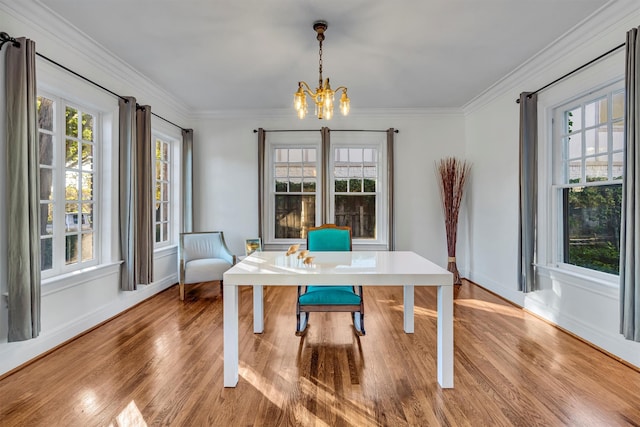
(161, 364)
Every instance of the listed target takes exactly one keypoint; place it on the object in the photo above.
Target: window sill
(606, 284)
(75, 278)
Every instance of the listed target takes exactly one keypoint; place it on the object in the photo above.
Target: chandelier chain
(320, 63)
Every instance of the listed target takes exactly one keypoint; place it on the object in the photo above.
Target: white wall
(586, 308)
(77, 303)
(226, 179)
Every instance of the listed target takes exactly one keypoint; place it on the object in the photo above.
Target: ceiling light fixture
(323, 96)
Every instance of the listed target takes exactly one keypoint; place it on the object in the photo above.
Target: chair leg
(181, 291)
(358, 323)
(221, 288)
(302, 322)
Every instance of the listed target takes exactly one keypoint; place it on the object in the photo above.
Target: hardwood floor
(161, 364)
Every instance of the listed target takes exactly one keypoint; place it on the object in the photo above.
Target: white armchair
(203, 257)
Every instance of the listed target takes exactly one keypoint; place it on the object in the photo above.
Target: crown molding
(57, 31)
(288, 113)
(600, 31)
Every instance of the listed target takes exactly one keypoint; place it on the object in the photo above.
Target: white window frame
(59, 265)
(288, 141)
(170, 181)
(376, 140)
(549, 248)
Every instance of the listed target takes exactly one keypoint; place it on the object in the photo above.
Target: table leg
(408, 308)
(230, 343)
(258, 309)
(445, 336)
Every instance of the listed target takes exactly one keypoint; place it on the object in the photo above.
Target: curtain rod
(6, 38)
(332, 130)
(574, 71)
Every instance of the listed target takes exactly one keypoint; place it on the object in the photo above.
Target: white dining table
(366, 268)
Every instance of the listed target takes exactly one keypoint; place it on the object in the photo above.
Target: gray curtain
(390, 171)
(528, 191)
(144, 242)
(261, 167)
(127, 185)
(187, 180)
(630, 230)
(23, 197)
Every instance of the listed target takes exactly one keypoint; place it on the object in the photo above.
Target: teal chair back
(329, 237)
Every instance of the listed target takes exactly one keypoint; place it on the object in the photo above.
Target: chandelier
(323, 96)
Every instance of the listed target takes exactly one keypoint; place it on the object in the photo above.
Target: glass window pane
(370, 172)
(341, 186)
(281, 171)
(357, 212)
(87, 127)
(87, 246)
(369, 155)
(46, 219)
(158, 170)
(342, 155)
(573, 119)
(355, 185)
(309, 171)
(71, 185)
(341, 171)
(309, 155)
(618, 105)
(71, 249)
(165, 171)
(295, 171)
(87, 186)
(295, 155)
(355, 171)
(369, 185)
(574, 144)
(602, 140)
(309, 185)
(45, 113)
(602, 111)
(71, 154)
(158, 233)
(281, 155)
(355, 155)
(165, 232)
(592, 238)
(71, 118)
(281, 186)
(294, 215)
(46, 184)
(597, 168)
(165, 191)
(165, 211)
(46, 254)
(46, 149)
(165, 151)
(590, 111)
(590, 142)
(87, 216)
(575, 171)
(617, 165)
(87, 156)
(295, 185)
(617, 136)
(71, 218)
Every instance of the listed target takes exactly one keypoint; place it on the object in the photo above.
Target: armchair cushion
(205, 270)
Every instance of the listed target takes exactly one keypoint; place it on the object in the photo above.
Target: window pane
(357, 212)
(87, 246)
(46, 184)
(71, 117)
(281, 171)
(573, 120)
(592, 237)
(294, 215)
(341, 171)
(87, 216)
(590, 142)
(295, 185)
(342, 155)
(295, 155)
(369, 155)
(355, 171)
(87, 127)
(281, 155)
(87, 186)
(355, 155)
(574, 146)
(618, 135)
(618, 105)
(71, 249)
(46, 149)
(597, 168)
(46, 254)
(71, 219)
(309, 171)
(46, 219)
(309, 155)
(590, 111)
(355, 185)
(369, 185)
(617, 165)
(295, 171)
(71, 154)
(281, 186)
(165, 232)
(71, 185)
(87, 156)
(341, 186)
(45, 113)
(575, 171)
(370, 172)
(158, 233)
(309, 186)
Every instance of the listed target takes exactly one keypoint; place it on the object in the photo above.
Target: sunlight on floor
(130, 417)
(490, 307)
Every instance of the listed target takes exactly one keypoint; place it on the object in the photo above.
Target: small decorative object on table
(251, 246)
(453, 174)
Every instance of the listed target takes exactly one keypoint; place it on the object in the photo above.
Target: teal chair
(329, 237)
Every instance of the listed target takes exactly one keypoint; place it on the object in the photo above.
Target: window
(162, 190)
(588, 168)
(309, 181)
(68, 138)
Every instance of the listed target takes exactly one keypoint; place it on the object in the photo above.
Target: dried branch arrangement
(453, 175)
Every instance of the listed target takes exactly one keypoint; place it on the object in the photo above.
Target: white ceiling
(231, 55)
